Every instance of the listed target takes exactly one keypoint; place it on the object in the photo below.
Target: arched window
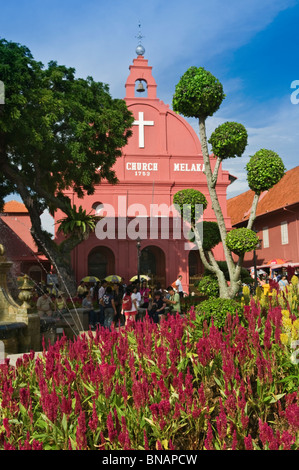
(152, 263)
(101, 262)
(96, 206)
(195, 266)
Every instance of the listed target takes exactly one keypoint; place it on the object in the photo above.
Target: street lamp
(138, 245)
(254, 262)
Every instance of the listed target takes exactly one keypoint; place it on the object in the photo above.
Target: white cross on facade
(141, 123)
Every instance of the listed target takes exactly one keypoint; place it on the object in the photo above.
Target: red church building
(162, 157)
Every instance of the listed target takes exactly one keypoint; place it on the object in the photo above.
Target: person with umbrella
(82, 288)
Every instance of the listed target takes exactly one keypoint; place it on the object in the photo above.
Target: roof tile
(284, 193)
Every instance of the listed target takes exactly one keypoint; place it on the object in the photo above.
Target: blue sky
(250, 46)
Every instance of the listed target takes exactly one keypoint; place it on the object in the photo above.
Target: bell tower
(140, 76)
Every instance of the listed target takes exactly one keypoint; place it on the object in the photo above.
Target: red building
(162, 157)
(15, 225)
(277, 221)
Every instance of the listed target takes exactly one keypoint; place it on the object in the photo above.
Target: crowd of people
(114, 302)
(281, 278)
(117, 303)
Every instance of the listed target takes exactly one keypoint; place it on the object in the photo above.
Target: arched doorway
(101, 262)
(152, 263)
(195, 266)
(35, 273)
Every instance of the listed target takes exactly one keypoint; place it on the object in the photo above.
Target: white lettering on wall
(145, 168)
(189, 167)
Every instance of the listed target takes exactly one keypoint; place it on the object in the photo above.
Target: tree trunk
(225, 291)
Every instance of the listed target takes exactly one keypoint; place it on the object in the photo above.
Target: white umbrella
(261, 271)
(142, 276)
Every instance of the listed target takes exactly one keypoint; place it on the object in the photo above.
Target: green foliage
(241, 240)
(190, 203)
(209, 233)
(264, 169)
(58, 135)
(56, 131)
(229, 140)
(208, 286)
(77, 221)
(217, 309)
(245, 276)
(198, 94)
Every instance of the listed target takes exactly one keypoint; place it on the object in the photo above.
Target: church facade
(139, 224)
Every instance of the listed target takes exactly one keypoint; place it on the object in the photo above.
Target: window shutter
(266, 237)
(284, 233)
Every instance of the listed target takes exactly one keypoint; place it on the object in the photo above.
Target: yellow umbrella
(113, 278)
(90, 279)
(142, 276)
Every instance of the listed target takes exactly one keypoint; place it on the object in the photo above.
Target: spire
(140, 49)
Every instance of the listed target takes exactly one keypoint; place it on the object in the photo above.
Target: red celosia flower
(292, 416)
(81, 440)
(93, 422)
(5, 423)
(221, 421)
(209, 439)
(112, 433)
(248, 442)
(146, 446)
(287, 440)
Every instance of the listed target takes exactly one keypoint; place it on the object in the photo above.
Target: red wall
(289, 251)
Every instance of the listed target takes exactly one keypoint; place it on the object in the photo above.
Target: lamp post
(255, 271)
(254, 262)
(138, 245)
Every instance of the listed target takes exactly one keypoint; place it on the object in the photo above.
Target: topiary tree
(229, 140)
(245, 276)
(264, 169)
(190, 204)
(241, 240)
(199, 94)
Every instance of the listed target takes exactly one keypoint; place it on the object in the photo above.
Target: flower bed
(183, 385)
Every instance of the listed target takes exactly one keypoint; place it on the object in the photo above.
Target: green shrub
(241, 240)
(209, 233)
(218, 310)
(245, 276)
(229, 140)
(208, 285)
(198, 93)
(264, 169)
(189, 202)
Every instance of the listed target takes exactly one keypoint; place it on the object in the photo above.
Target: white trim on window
(284, 233)
(266, 243)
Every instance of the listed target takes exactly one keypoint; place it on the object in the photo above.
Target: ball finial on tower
(140, 49)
